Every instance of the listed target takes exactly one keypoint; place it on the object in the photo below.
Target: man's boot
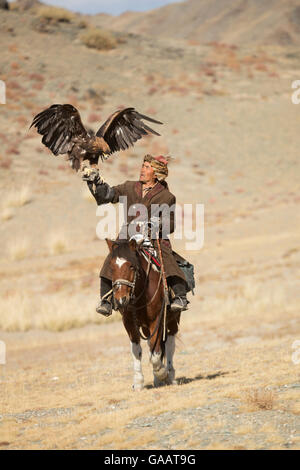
(104, 306)
(179, 302)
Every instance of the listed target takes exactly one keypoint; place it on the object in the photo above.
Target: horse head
(125, 270)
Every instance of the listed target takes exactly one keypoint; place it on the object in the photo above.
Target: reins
(134, 299)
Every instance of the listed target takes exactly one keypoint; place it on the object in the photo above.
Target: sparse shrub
(37, 77)
(55, 15)
(23, 120)
(83, 24)
(98, 39)
(18, 250)
(7, 214)
(25, 5)
(57, 243)
(15, 65)
(260, 398)
(96, 95)
(14, 85)
(5, 163)
(37, 86)
(261, 67)
(13, 150)
(18, 198)
(152, 90)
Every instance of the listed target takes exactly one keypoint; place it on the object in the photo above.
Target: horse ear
(132, 244)
(109, 243)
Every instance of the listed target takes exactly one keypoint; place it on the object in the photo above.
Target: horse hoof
(170, 381)
(161, 375)
(137, 387)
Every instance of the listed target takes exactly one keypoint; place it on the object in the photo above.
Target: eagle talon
(92, 175)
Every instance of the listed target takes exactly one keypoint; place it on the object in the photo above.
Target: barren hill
(233, 130)
(229, 21)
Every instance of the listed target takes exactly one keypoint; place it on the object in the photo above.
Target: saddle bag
(188, 271)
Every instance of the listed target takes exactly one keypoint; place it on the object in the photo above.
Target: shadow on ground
(187, 380)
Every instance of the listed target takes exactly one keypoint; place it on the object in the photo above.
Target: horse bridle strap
(125, 282)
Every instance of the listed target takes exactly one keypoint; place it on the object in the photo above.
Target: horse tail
(163, 347)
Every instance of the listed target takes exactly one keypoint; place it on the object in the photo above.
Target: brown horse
(138, 294)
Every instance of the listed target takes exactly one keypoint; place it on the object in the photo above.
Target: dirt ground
(233, 130)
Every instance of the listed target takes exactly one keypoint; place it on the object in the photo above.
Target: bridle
(133, 299)
(124, 282)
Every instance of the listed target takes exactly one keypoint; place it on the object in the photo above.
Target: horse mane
(121, 249)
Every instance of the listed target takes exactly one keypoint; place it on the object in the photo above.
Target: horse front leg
(138, 378)
(136, 352)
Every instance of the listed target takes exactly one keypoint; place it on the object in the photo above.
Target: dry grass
(18, 197)
(87, 195)
(90, 374)
(55, 14)
(7, 213)
(54, 312)
(18, 249)
(98, 39)
(58, 243)
(260, 399)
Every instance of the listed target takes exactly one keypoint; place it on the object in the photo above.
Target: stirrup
(179, 303)
(104, 307)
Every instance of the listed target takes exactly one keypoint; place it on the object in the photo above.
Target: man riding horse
(152, 191)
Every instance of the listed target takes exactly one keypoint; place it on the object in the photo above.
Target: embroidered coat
(159, 194)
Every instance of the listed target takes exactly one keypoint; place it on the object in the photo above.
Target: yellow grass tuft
(58, 243)
(18, 198)
(55, 14)
(7, 214)
(245, 429)
(260, 399)
(18, 249)
(98, 39)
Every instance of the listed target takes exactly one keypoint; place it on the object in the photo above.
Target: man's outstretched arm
(102, 192)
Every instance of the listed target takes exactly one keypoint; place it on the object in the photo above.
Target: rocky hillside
(230, 21)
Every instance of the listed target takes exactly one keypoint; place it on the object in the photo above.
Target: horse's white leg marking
(159, 371)
(170, 350)
(120, 261)
(138, 378)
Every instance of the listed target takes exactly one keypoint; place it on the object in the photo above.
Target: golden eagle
(63, 133)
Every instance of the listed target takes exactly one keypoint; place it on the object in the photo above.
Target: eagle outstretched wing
(60, 126)
(123, 128)
(64, 133)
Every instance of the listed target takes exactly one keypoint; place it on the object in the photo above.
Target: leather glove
(91, 175)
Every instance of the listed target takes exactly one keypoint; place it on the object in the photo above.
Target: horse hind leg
(170, 350)
(138, 378)
(160, 373)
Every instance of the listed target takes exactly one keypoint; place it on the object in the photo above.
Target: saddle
(184, 265)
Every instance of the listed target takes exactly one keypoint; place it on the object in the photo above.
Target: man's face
(147, 173)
